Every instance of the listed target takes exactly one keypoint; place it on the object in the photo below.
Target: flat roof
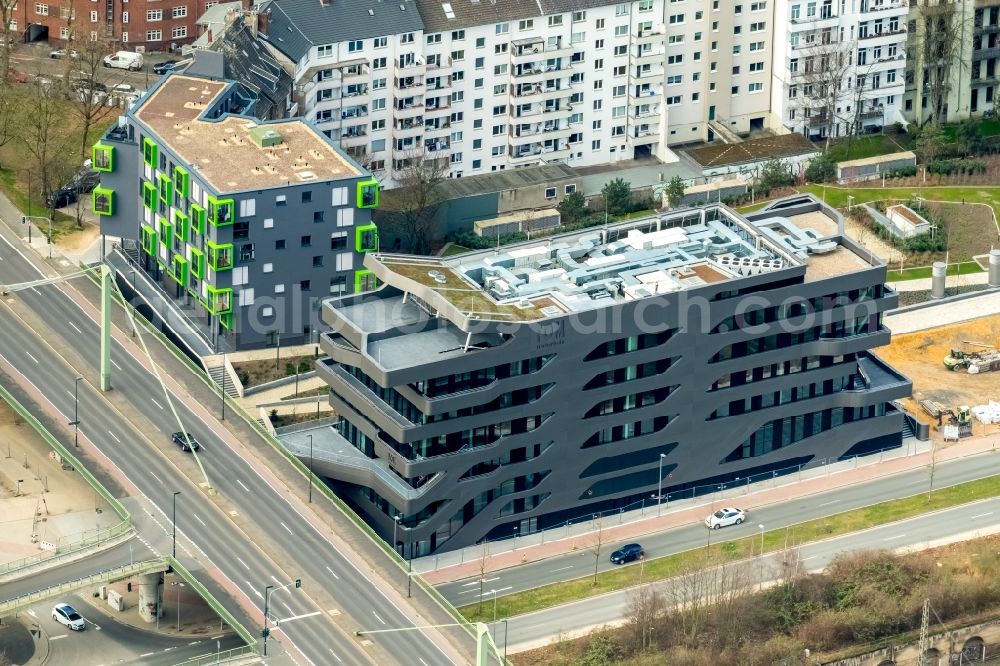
(754, 150)
(224, 153)
(633, 260)
(878, 159)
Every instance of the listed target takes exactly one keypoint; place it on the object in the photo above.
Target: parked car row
(81, 182)
(722, 518)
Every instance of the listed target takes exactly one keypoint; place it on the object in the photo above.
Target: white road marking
(377, 617)
(156, 477)
(199, 520)
(335, 656)
(276, 580)
(31, 357)
(148, 654)
(287, 608)
(115, 364)
(31, 613)
(75, 327)
(422, 661)
(156, 403)
(242, 562)
(830, 502)
(254, 590)
(286, 528)
(811, 557)
(982, 515)
(898, 536)
(475, 582)
(115, 437)
(499, 589)
(242, 485)
(562, 569)
(55, 638)
(333, 574)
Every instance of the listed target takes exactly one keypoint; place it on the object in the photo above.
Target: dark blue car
(627, 553)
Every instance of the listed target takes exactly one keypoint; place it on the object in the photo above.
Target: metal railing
(221, 657)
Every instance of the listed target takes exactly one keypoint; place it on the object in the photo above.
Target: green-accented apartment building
(251, 223)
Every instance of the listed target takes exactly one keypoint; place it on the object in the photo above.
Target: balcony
(408, 82)
(869, 7)
(354, 140)
(354, 112)
(829, 45)
(539, 93)
(438, 104)
(645, 111)
(437, 145)
(354, 72)
(527, 154)
(644, 93)
(822, 20)
(985, 29)
(819, 121)
(642, 135)
(646, 57)
(405, 151)
(986, 54)
(408, 109)
(410, 66)
(636, 78)
(646, 35)
(442, 126)
(439, 83)
(871, 114)
(443, 62)
(885, 33)
(408, 127)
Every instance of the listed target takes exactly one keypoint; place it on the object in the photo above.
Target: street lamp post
(659, 485)
(176, 493)
(179, 586)
(515, 538)
(76, 412)
(761, 528)
(494, 593)
(222, 394)
(311, 469)
(265, 632)
(504, 640)
(27, 219)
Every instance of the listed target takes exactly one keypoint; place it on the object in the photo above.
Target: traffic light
(265, 632)
(298, 582)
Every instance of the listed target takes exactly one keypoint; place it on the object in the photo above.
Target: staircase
(217, 373)
(857, 382)
(907, 430)
(723, 133)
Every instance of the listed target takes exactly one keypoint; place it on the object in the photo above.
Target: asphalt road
(34, 60)
(539, 628)
(581, 563)
(143, 454)
(116, 643)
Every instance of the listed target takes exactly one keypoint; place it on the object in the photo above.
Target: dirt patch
(282, 420)
(255, 373)
(920, 356)
(79, 240)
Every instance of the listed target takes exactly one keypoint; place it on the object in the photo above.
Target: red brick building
(130, 25)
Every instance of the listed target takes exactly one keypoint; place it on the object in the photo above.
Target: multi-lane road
(540, 628)
(773, 517)
(268, 538)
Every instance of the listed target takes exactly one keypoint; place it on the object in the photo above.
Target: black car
(165, 66)
(180, 440)
(81, 182)
(627, 553)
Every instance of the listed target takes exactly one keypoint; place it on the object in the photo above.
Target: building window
(64, 33)
(179, 12)
(93, 17)
(124, 17)
(305, 285)
(154, 36)
(338, 285)
(354, 45)
(306, 241)
(41, 10)
(550, 193)
(179, 31)
(755, 87)
(154, 15)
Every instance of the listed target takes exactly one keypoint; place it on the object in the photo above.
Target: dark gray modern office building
(516, 388)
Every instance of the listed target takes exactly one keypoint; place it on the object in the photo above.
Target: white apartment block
(839, 65)
(489, 85)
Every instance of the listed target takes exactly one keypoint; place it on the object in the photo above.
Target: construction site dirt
(920, 356)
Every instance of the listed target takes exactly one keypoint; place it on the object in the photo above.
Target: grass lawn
(671, 565)
(454, 249)
(867, 146)
(319, 390)
(963, 268)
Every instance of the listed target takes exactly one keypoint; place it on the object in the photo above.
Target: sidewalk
(685, 512)
(924, 284)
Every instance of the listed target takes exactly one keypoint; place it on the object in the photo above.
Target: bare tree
(937, 39)
(596, 541)
(645, 607)
(826, 69)
(483, 568)
(416, 199)
(45, 136)
(10, 112)
(7, 8)
(722, 589)
(89, 85)
(361, 155)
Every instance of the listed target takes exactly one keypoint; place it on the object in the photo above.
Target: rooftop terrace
(237, 153)
(629, 261)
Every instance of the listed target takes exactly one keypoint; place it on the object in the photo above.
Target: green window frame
(102, 157)
(366, 238)
(197, 220)
(361, 278)
(179, 269)
(221, 212)
(181, 181)
(181, 225)
(150, 152)
(149, 239)
(166, 232)
(367, 193)
(148, 195)
(103, 201)
(226, 320)
(196, 260)
(165, 186)
(220, 255)
(220, 301)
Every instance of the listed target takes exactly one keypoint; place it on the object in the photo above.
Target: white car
(724, 517)
(66, 615)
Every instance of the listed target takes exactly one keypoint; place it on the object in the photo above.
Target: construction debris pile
(987, 414)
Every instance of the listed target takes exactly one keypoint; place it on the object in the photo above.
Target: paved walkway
(787, 488)
(924, 284)
(944, 313)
